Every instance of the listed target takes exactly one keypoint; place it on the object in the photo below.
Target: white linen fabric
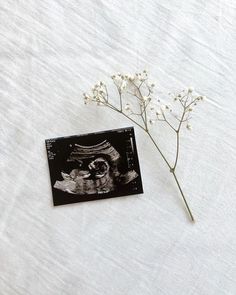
(51, 52)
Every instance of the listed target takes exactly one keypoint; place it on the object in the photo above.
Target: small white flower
(123, 85)
(189, 127)
(203, 97)
(145, 98)
(87, 98)
(127, 107)
(131, 78)
(117, 78)
(191, 89)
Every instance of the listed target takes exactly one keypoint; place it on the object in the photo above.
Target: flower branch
(145, 111)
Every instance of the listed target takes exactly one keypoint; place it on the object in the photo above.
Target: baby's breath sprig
(146, 110)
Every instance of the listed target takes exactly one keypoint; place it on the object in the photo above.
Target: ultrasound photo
(94, 166)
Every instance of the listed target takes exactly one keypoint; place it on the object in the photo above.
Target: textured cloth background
(50, 53)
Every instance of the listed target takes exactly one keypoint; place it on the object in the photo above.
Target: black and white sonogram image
(94, 166)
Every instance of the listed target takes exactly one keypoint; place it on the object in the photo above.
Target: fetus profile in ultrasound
(83, 171)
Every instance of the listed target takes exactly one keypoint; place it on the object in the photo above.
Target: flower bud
(127, 107)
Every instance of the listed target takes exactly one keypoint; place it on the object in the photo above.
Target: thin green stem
(177, 150)
(177, 135)
(184, 199)
(159, 150)
(121, 107)
(168, 121)
(175, 177)
(142, 109)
